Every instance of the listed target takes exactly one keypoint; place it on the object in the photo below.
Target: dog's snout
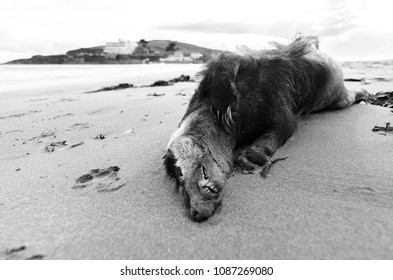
(198, 216)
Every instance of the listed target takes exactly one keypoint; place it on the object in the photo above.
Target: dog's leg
(259, 152)
(348, 97)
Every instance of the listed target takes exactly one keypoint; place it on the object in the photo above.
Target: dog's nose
(198, 216)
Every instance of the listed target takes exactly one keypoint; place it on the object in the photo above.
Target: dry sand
(331, 199)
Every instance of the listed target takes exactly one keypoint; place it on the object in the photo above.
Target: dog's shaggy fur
(244, 109)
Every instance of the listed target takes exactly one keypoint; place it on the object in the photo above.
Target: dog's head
(197, 174)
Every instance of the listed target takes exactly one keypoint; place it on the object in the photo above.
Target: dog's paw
(242, 162)
(255, 155)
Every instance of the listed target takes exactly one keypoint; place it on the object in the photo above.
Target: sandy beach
(332, 198)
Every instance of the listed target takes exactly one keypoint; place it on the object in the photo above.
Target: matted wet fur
(244, 109)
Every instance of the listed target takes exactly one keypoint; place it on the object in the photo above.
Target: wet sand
(82, 178)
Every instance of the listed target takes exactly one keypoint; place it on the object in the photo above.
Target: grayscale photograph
(205, 130)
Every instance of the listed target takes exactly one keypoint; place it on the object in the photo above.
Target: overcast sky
(348, 29)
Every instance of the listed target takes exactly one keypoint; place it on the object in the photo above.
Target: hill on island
(161, 45)
(156, 49)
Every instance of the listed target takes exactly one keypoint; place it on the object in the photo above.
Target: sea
(17, 77)
(22, 77)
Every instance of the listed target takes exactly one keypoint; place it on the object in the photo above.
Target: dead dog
(244, 109)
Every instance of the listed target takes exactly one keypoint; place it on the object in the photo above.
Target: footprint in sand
(20, 114)
(79, 126)
(103, 180)
(52, 146)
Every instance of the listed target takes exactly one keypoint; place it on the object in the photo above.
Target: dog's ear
(170, 163)
(235, 71)
(233, 83)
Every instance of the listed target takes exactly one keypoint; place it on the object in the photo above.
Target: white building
(120, 47)
(178, 56)
(196, 55)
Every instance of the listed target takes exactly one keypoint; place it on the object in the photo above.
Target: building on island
(179, 56)
(120, 47)
(142, 49)
(195, 55)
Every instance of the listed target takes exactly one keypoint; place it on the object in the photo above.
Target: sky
(348, 29)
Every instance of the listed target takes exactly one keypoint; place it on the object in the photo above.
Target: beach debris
(76, 145)
(18, 169)
(387, 128)
(103, 180)
(100, 137)
(117, 87)
(15, 250)
(353, 80)
(365, 81)
(128, 132)
(61, 144)
(269, 165)
(181, 78)
(52, 146)
(383, 98)
(161, 83)
(19, 253)
(156, 94)
(35, 257)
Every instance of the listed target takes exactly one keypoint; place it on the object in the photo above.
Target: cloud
(340, 17)
(213, 27)
(360, 45)
(329, 18)
(287, 28)
(55, 26)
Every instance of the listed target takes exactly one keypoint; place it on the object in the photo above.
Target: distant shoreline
(101, 63)
(154, 51)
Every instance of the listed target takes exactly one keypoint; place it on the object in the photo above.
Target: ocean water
(24, 77)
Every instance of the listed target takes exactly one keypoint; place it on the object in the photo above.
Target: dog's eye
(204, 175)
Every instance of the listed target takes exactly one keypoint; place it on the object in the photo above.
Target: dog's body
(244, 109)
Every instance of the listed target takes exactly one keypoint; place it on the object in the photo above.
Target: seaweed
(382, 98)
(387, 128)
(269, 165)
